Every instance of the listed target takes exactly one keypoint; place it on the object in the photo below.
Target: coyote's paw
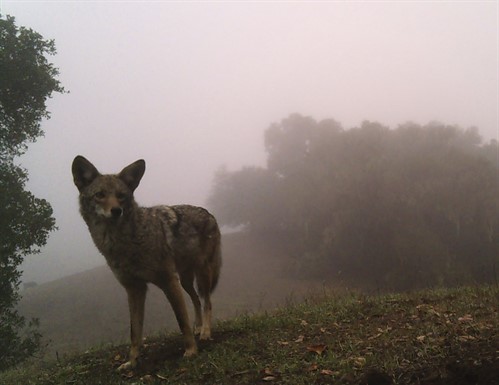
(205, 334)
(127, 366)
(190, 352)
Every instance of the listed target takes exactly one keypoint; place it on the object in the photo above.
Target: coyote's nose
(116, 212)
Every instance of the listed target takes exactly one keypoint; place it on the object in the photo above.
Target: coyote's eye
(120, 196)
(100, 195)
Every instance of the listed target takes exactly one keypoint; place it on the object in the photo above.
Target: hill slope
(90, 308)
(440, 337)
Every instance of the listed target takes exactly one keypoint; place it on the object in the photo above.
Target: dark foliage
(27, 80)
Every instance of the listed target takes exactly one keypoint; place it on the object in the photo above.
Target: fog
(190, 87)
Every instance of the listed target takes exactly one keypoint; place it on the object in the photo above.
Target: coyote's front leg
(136, 302)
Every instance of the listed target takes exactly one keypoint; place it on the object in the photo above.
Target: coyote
(159, 245)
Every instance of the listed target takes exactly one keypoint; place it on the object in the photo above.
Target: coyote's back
(161, 245)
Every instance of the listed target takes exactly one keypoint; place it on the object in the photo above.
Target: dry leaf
(327, 372)
(421, 338)
(128, 374)
(269, 375)
(465, 318)
(283, 343)
(466, 338)
(117, 357)
(312, 367)
(164, 378)
(375, 336)
(359, 362)
(304, 323)
(300, 338)
(318, 348)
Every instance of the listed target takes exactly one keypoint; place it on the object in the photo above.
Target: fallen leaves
(299, 339)
(129, 374)
(466, 338)
(317, 348)
(465, 318)
(359, 362)
(153, 378)
(327, 372)
(380, 332)
(269, 375)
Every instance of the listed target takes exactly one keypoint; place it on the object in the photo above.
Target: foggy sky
(190, 87)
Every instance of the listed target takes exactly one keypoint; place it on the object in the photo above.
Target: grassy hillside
(432, 337)
(90, 308)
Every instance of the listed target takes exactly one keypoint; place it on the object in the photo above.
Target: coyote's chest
(135, 248)
(128, 252)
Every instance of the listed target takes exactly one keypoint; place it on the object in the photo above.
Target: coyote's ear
(132, 174)
(84, 172)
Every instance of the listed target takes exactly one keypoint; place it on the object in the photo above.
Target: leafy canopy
(27, 80)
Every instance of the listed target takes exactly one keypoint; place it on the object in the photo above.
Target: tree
(27, 80)
(395, 208)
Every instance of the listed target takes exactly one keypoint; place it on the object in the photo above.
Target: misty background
(191, 87)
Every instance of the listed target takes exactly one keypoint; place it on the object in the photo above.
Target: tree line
(398, 209)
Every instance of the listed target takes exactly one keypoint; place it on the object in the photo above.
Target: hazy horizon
(191, 87)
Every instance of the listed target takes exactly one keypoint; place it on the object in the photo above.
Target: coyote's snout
(108, 206)
(169, 246)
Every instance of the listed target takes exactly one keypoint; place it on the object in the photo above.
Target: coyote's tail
(215, 261)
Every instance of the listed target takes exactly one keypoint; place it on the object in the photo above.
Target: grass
(430, 337)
